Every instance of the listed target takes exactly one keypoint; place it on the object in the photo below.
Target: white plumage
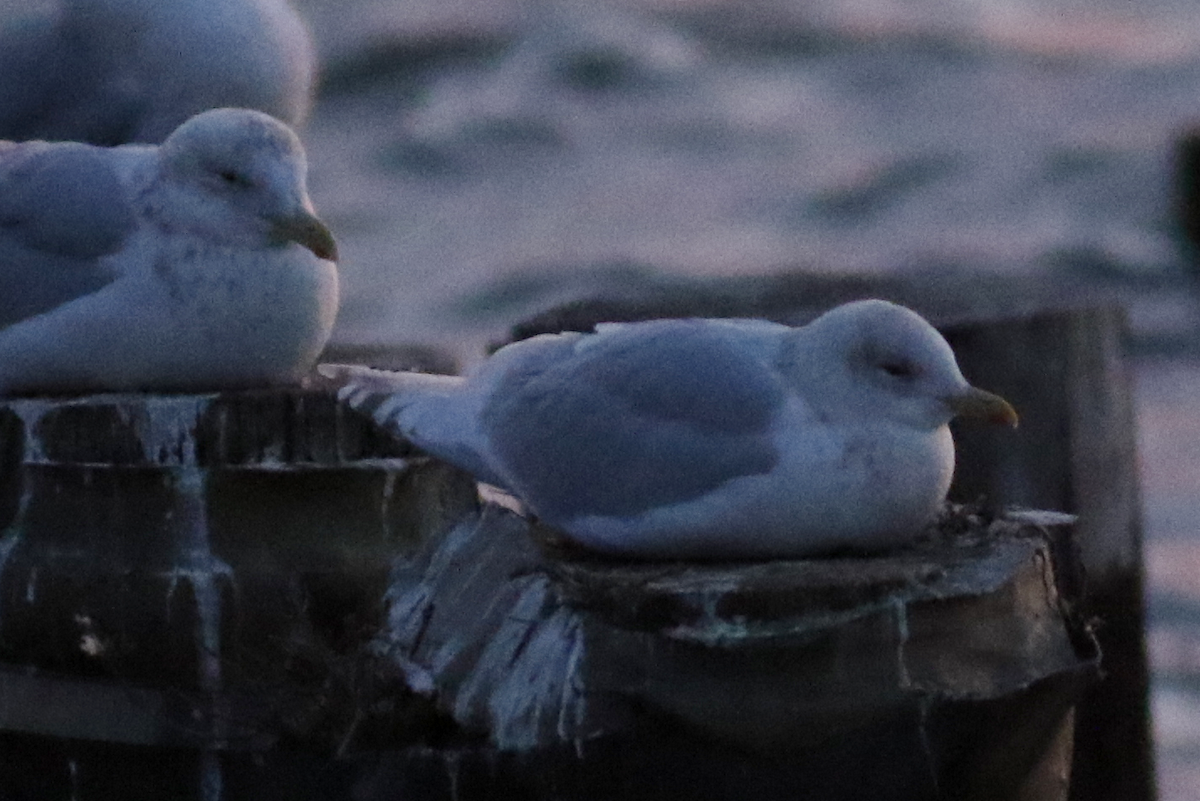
(195, 265)
(705, 438)
(111, 72)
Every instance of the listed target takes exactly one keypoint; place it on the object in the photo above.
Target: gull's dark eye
(232, 178)
(899, 369)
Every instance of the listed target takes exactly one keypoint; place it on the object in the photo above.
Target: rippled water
(1012, 137)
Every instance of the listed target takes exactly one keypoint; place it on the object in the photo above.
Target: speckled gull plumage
(195, 265)
(705, 438)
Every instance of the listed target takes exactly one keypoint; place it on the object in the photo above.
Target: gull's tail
(389, 397)
(437, 413)
(354, 379)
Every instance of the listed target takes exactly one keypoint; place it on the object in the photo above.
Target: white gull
(115, 71)
(705, 438)
(195, 265)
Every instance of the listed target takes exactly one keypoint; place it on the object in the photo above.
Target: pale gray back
(643, 416)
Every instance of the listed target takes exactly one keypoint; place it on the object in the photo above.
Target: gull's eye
(899, 369)
(234, 179)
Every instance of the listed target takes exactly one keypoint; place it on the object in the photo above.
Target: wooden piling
(948, 670)
(261, 595)
(186, 583)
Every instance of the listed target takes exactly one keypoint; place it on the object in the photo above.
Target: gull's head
(239, 177)
(877, 360)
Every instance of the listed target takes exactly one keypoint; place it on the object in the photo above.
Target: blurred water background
(481, 160)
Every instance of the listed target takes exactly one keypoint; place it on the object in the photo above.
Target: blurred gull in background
(115, 71)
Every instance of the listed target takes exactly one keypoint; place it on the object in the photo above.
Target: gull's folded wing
(61, 210)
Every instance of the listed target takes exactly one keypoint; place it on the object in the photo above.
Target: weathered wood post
(945, 671)
(1078, 452)
(1062, 367)
(181, 580)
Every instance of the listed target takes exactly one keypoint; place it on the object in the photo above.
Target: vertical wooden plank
(1115, 756)
(1025, 361)
(1075, 451)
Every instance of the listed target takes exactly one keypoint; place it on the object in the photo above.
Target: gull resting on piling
(702, 438)
(192, 266)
